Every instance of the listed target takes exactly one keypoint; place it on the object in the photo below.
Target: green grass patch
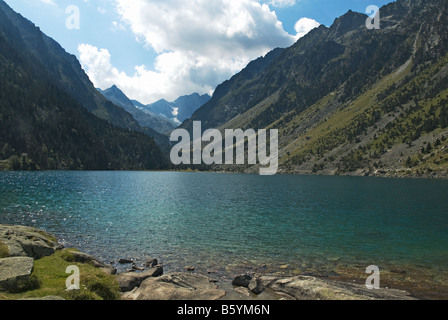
(51, 276)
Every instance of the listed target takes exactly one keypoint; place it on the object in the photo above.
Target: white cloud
(170, 78)
(200, 43)
(282, 3)
(305, 25)
(50, 2)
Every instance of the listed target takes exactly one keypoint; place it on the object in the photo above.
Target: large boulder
(177, 286)
(131, 280)
(14, 271)
(76, 256)
(310, 288)
(30, 242)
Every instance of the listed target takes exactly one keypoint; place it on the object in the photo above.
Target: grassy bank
(49, 277)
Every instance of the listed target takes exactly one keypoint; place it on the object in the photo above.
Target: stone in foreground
(131, 280)
(177, 286)
(13, 271)
(310, 288)
(28, 242)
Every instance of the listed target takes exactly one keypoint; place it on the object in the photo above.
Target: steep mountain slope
(348, 100)
(42, 124)
(63, 69)
(187, 105)
(179, 110)
(145, 119)
(236, 95)
(161, 107)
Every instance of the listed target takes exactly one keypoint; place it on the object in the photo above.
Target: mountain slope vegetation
(349, 100)
(46, 120)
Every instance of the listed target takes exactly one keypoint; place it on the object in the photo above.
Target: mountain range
(52, 117)
(347, 99)
(177, 111)
(147, 119)
(162, 116)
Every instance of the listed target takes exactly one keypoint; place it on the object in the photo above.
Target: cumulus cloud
(200, 43)
(305, 25)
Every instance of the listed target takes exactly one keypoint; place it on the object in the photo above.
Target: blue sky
(155, 49)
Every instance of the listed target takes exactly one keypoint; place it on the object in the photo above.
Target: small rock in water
(212, 271)
(333, 259)
(134, 267)
(151, 263)
(242, 280)
(125, 261)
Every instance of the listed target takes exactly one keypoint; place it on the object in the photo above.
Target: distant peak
(348, 22)
(114, 88)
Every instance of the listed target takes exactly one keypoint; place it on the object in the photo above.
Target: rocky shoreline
(21, 247)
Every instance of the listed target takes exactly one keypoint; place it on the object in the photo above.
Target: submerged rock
(151, 263)
(178, 286)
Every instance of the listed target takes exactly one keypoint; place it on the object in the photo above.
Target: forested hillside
(349, 100)
(45, 125)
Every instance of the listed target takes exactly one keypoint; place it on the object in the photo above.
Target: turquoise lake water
(213, 220)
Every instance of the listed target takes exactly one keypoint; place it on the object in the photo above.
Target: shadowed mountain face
(160, 124)
(60, 67)
(187, 105)
(51, 115)
(179, 110)
(347, 99)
